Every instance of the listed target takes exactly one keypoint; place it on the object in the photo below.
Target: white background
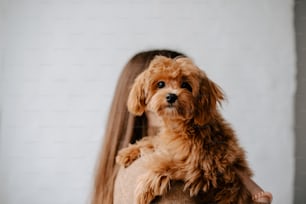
(60, 60)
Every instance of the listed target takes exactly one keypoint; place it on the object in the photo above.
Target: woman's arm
(258, 194)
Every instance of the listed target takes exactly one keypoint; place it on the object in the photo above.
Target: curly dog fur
(195, 144)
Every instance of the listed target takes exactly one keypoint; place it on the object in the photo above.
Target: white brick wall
(61, 60)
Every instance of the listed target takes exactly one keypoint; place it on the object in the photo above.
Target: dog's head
(175, 89)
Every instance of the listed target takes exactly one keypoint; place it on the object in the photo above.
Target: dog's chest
(177, 146)
(191, 146)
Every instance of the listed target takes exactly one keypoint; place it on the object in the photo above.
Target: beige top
(126, 180)
(125, 185)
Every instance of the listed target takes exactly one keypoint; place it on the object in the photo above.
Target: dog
(194, 145)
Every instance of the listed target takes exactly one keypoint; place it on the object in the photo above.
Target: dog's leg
(156, 182)
(128, 155)
(196, 181)
(151, 185)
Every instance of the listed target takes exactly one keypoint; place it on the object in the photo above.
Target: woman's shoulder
(126, 182)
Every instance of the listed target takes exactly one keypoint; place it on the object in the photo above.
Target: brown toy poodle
(195, 144)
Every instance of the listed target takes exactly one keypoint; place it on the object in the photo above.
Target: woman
(123, 128)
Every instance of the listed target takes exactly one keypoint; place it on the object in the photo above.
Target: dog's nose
(171, 98)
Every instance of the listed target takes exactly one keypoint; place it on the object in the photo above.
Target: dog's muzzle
(171, 98)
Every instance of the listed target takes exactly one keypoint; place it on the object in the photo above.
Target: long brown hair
(122, 128)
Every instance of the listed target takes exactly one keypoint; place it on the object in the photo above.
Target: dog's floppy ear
(210, 94)
(136, 98)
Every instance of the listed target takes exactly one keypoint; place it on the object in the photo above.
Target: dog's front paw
(143, 192)
(196, 185)
(127, 156)
(143, 197)
(149, 186)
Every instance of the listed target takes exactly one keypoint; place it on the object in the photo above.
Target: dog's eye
(186, 85)
(161, 84)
